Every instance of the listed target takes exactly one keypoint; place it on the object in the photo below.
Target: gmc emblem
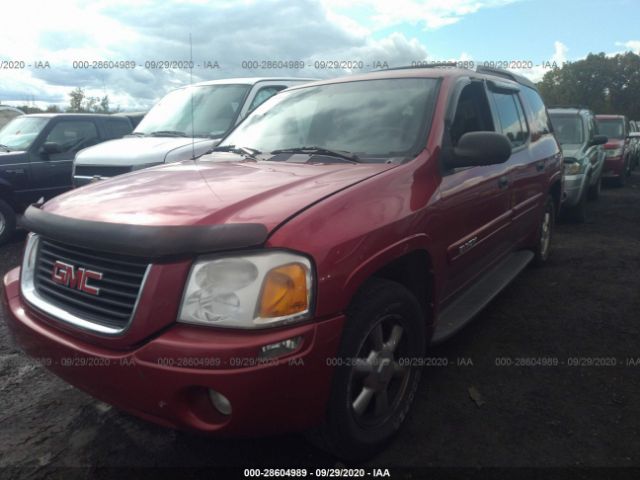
(68, 275)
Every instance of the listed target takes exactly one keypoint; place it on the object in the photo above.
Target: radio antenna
(193, 135)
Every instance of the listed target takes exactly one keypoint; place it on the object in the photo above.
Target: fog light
(222, 403)
(280, 348)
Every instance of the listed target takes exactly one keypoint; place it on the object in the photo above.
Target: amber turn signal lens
(284, 291)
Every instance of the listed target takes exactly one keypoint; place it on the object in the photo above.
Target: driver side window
(72, 136)
(472, 113)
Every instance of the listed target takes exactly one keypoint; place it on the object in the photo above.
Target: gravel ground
(478, 411)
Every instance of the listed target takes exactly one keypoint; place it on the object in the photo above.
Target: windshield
(568, 128)
(20, 132)
(215, 109)
(612, 128)
(374, 118)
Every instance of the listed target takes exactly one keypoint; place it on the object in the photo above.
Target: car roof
(568, 109)
(69, 115)
(251, 80)
(610, 117)
(435, 71)
(11, 109)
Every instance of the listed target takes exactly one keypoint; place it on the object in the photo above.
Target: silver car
(577, 133)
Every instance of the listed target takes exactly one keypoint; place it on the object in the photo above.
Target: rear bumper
(167, 380)
(613, 167)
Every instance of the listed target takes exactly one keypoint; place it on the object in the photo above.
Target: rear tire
(545, 232)
(7, 222)
(374, 384)
(594, 190)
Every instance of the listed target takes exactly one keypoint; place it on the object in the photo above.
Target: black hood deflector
(147, 241)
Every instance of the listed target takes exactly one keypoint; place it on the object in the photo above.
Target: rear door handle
(503, 182)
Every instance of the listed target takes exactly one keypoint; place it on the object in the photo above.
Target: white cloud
(432, 14)
(633, 45)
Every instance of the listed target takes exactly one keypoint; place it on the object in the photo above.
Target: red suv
(294, 278)
(618, 149)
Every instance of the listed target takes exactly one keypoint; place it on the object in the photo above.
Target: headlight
(616, 152)
(250, 291)
(572, 166)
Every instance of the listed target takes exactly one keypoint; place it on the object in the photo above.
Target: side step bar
(462, 310)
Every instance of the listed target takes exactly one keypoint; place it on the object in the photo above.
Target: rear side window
(511, 118)
(117, 128)
(73, 135)
(539, 121)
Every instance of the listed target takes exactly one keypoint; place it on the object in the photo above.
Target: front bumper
(574, 186)
(167, 379)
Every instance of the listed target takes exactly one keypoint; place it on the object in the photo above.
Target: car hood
(213, 192)
(12, 156)
(614, 143)
(572, 150)
(134, 151)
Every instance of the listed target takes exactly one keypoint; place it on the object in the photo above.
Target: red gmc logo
(68, 275)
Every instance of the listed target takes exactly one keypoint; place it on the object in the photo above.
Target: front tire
(374, 383)
(7, 222)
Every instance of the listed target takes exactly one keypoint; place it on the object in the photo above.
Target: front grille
(120, 286)
(100, 170)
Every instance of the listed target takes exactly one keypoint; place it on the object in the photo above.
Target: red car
(293, 278)
(618, 152)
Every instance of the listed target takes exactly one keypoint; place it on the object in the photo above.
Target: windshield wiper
(352, 157)
(168, 133)
(246, 151)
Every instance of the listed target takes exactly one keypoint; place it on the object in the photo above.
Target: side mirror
(599, 140)
(51, 147)
(476, 149)
(634, 134)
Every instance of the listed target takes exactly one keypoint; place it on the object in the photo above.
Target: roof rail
(501, 72)
(423, 65)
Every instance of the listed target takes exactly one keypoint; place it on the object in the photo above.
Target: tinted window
(511, 117)
(539, 120)
(264, 94)
(374, 118)
(73, 135)
(117, 128)
(612, 128)
(568, 129)
(20, 132)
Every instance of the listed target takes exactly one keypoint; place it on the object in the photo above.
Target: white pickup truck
(168, 134)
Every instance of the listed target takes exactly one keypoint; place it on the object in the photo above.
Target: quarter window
(511, 118)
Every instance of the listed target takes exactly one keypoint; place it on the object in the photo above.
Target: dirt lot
(582, 308)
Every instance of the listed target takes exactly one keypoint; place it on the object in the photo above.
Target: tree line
(79, 102)
(604, 84)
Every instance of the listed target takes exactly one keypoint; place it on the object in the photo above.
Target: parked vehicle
(292, 279)
(134, 117)
(618, 149)
(187, 122)
(8, 113)
(36, 157)
(577, 132)
(634, 141)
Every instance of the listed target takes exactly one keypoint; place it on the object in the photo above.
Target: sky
(43, 55)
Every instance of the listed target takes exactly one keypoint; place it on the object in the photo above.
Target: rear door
(51, 172)
(474, 200)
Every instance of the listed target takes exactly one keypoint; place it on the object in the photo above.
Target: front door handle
(503, 182)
